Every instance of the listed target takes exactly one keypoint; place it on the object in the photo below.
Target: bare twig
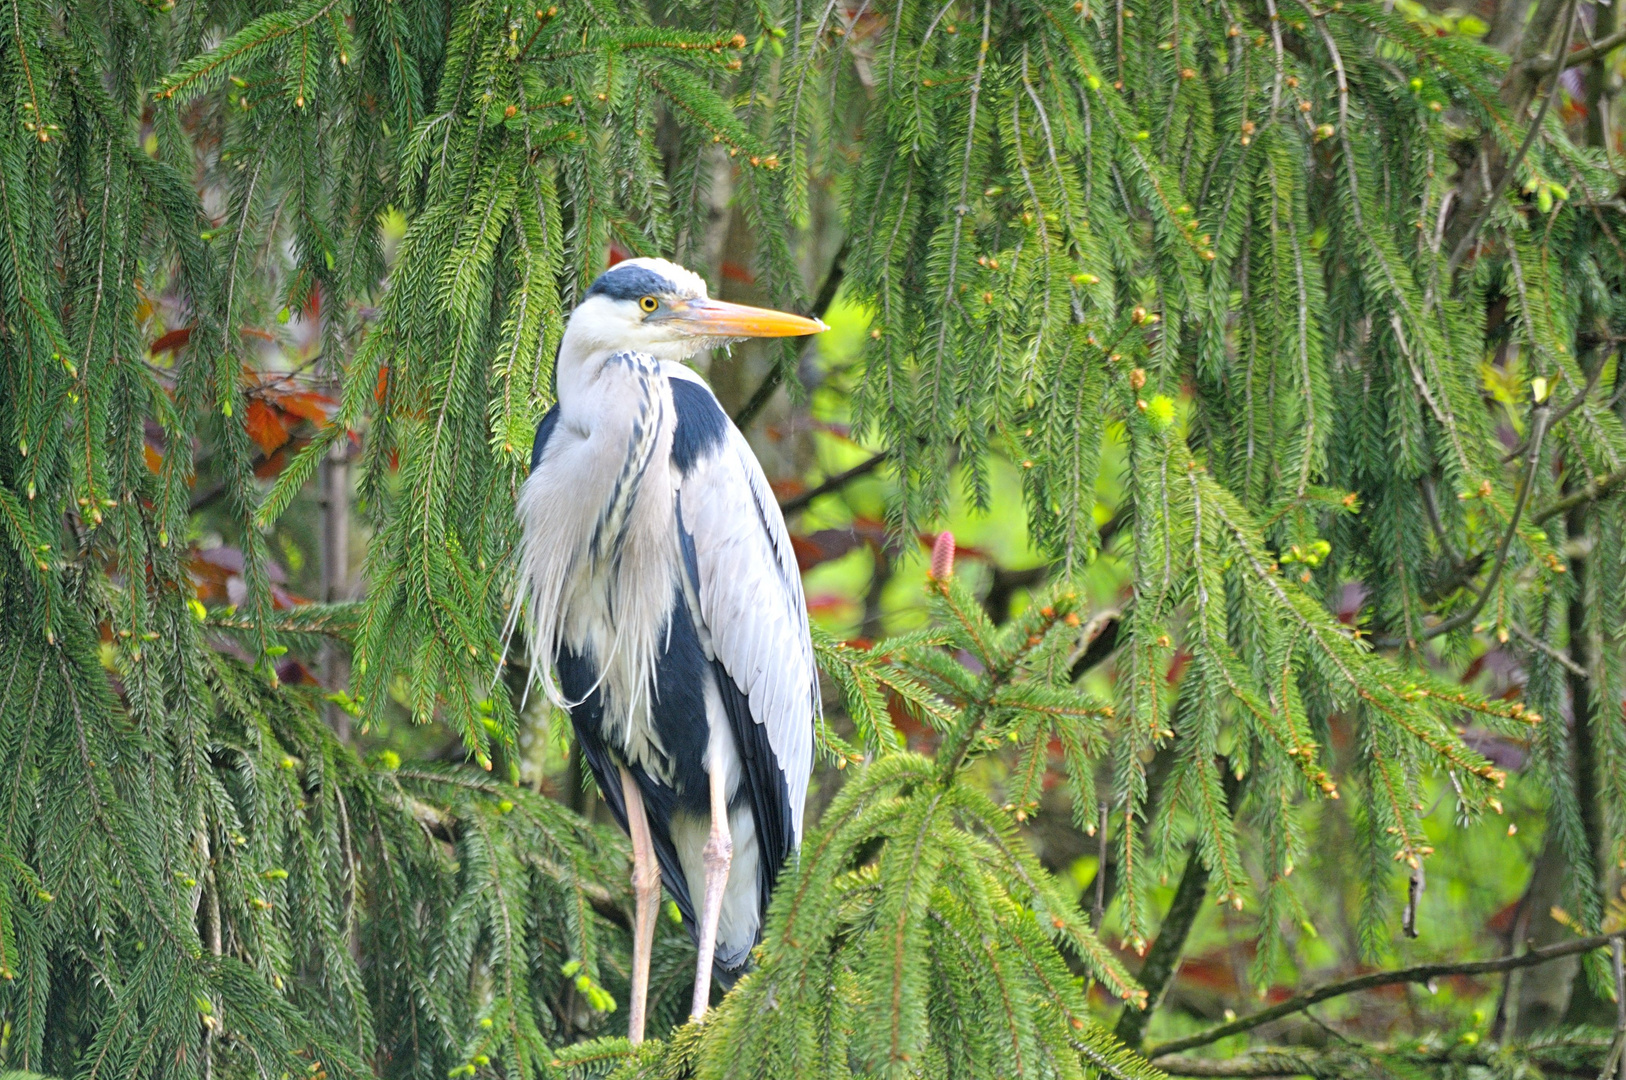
(1099, 638)
(1260, 1064)
(1421, 973)
(776, 374)
(1545, 64)
(1562, 414)
(835, 483)
(1536, 643)
(1414, 896)
(1594, 490)
(1538, 431)
(1099, 908)
(1467, 242)
(1618, 1047)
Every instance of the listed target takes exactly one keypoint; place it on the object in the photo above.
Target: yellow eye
(648, 303)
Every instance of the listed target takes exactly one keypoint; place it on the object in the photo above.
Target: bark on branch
(835, 483)
(1421, 973)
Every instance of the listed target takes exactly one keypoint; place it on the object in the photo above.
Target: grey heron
(665, 610)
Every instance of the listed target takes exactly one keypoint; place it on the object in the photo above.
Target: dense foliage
(1300, 324)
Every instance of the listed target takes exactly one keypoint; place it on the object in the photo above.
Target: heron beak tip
(718, 318)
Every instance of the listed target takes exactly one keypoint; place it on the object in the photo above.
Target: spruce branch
(1420, 973)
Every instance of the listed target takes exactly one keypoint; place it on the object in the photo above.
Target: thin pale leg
(646, 891)
(719, 853)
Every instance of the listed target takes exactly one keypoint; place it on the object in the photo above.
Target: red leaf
(172, 341)
(308, 405)
(266, 425)
(272, 466)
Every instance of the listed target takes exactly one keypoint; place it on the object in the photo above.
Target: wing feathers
(750, 597)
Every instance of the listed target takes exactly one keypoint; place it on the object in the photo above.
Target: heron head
(658, 307)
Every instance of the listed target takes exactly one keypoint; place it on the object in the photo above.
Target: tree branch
(1260, 1063)
(1163, 959)
(834, 483)
(1562, 414)
(821, 304)
(1421, 973)
(1538, 430)
(1467, 241)
(1101, 633)
(1545, 64)
(1536, 643)
(1597, 489)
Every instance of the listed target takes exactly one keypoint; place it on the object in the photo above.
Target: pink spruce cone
(943, 556)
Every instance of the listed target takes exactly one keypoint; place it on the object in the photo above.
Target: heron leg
(719, 853)
(646, 892)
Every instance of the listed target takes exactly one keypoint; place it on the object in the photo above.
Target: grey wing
(749, 592)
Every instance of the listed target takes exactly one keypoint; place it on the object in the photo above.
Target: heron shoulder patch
(702, 426)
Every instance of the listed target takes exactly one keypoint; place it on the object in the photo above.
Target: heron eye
(648, 303)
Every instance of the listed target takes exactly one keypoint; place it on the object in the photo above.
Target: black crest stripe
(628, 282)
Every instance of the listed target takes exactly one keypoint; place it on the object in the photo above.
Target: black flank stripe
(702, 426)
(544, 431)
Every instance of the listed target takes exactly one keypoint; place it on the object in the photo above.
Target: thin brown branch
(1538, 430)
(1541, 646)
(776, 374)
(1421, 973)
(1261, 1063)
(1101, 636)
(835, 483)
(1467, 242)
(1545, 64)
(1562, 414)
(1597, 489)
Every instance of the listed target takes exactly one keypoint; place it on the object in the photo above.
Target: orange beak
(720, 319)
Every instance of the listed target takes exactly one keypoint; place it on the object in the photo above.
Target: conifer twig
(1420, 973)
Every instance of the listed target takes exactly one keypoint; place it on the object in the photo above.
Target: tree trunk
(336, 571)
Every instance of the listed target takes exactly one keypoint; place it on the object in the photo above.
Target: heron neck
(584, 350)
